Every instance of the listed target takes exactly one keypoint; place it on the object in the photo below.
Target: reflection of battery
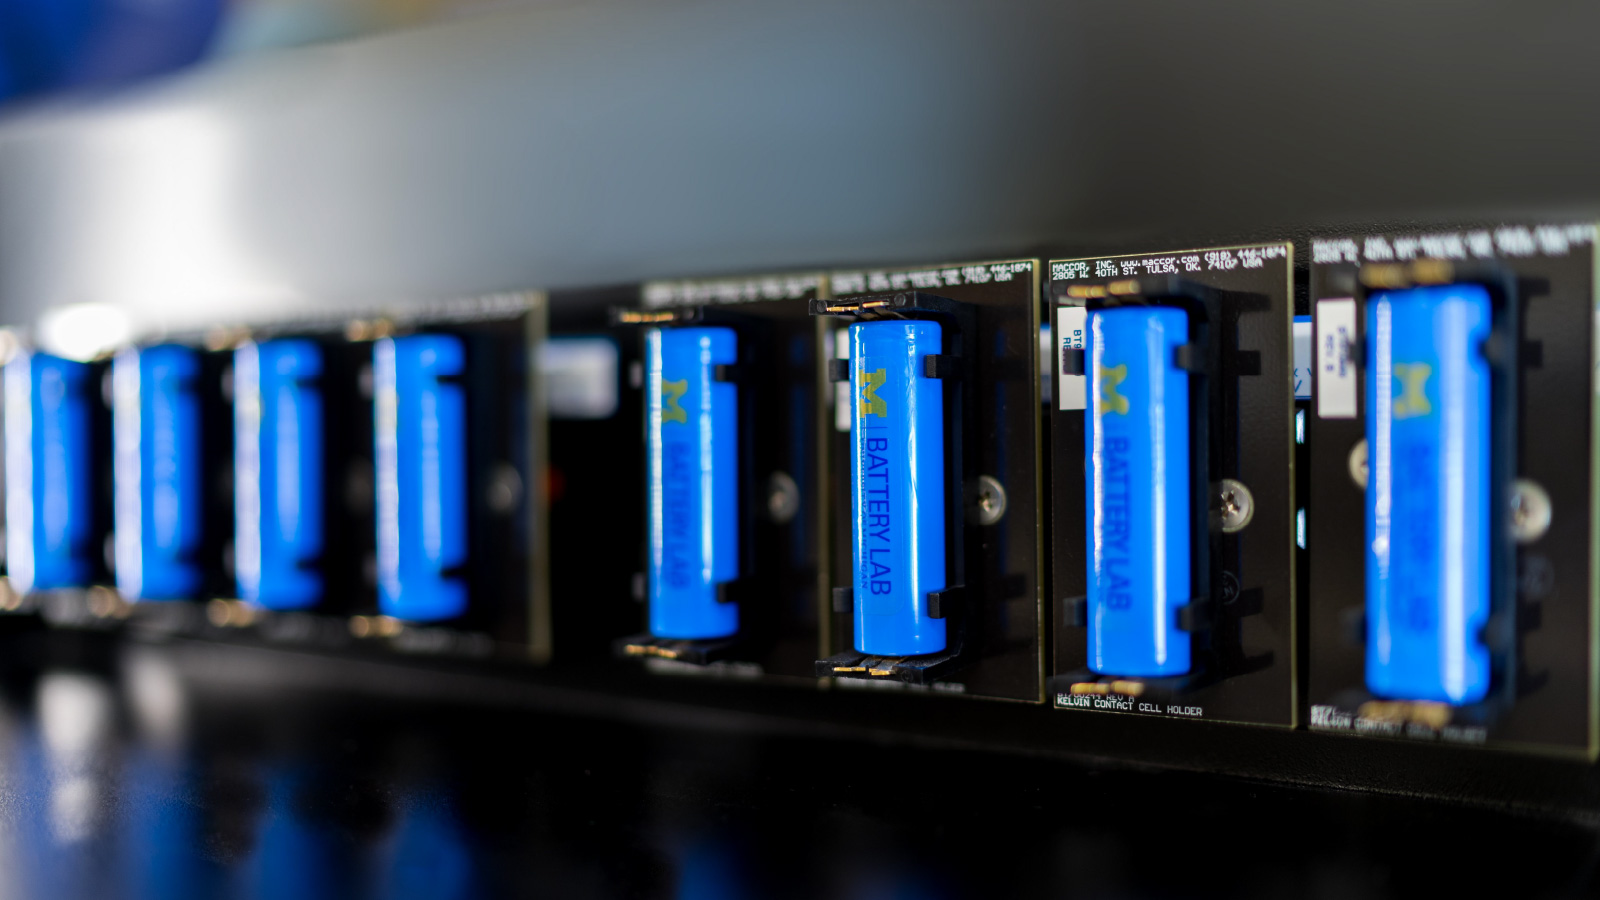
(421, 455)
(1428, 493)
(1139, 503)
(156, 425)
(897, 486)
(49, 510)
(693, 446)
(278, 463)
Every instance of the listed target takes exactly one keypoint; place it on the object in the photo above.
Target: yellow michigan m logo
(1413, 399)
(1110, 400)
(871, 403)
(671, 409)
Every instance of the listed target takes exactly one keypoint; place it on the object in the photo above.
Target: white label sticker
(1072, 323)
(1302, 357)
(1336, 367)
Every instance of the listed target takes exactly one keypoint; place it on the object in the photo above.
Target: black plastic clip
(1494, 350)
(838, 370)
(1248, 602)
(941, 365)
(1499, 632)
(1072, 360)
(1075, 612)
(844, 600)
(942, 603)
(1353, 622)
(1189, 357)
(1194, 615)
(1355, 353)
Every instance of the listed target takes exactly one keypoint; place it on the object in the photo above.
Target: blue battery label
(1428, 493)
(277, 473)
(693, 470)
(49, 507)
(420, 429)
(1139, 504)
(897, 486)
(157, 472)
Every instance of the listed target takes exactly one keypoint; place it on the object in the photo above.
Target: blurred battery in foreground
(1428, 493)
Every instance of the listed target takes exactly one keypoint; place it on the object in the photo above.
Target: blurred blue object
(55, 45)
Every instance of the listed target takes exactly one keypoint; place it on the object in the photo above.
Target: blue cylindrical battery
(692, 441)
(420, 433)
(1139, 505)
(157, 472)
(1428, 420)
(278, 473)
(897, 500)
(49, 507)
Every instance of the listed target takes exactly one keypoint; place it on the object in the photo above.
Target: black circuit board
(509, 614)
(781, 593)
(1003, 560)
(1550, 707)
(1252, 677)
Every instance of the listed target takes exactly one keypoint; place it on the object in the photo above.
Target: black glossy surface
(153, 773)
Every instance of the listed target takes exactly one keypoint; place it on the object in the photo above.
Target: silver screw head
(986, 500)
(1358, 464)
(504, 489)
(783, 498)
(1236, 505)
(1530, 511)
